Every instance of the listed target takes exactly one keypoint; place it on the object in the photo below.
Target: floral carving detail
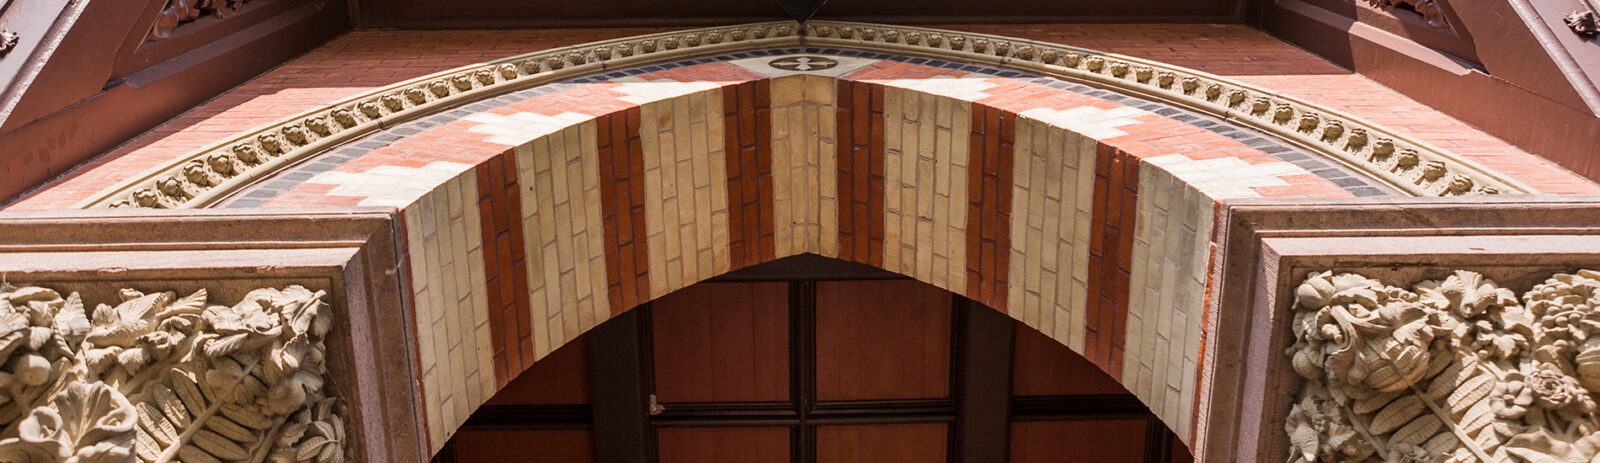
(1453, 370)
(8, 41)
(163, 378)
(1585, 23)
(180, 12)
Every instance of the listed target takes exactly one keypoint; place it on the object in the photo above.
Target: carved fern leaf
(1434, 414)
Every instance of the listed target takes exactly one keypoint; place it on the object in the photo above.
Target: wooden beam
(982, 382)
(622, 432)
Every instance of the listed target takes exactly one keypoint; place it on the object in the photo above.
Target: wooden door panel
(561, 378)
(877, 443)
(1047, 367)
(723, 445)
(570, 445)
(886, 339)
(722, 342)
(1077, 441)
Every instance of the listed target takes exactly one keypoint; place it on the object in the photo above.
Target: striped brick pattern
(1052, 200)
(747, 129)
(686, 220)
(451, 302)
(1111, 232)
(988, 240)
(505, 266)
(861, 123)
(565, 245)
(622, 198)
(804, 174)
(1170, 262)
(926, 206)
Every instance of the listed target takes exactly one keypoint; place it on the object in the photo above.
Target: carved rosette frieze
(162, 378)
(180, 12)
(205, 176)
(1431, 13)
(1408, 164)
(1459, 370)
(8, 41)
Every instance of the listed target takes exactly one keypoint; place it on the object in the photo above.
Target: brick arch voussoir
(525, 251)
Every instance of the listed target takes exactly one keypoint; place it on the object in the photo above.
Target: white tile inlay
(394, 186)
(1092, 122)
(522, 127)
(1226, 178)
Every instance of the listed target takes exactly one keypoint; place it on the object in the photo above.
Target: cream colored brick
(804, 171)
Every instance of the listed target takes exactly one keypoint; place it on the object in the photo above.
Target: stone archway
(529, 217)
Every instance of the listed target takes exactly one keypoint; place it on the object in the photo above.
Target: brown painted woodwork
(1516, 75)
(505, 266)
(565, 445)
(722, 342)
(860, 126)
(723, 445)
(882, 340)
(79, 107)
(903, 371)
(899, 443)
(747, 119)
(1044, 367)
(617, 377)
(1077, 441)
(1111, 230)
(621, 164)
(508, 14)
(561, 378)
(989, 186)
(983, 360)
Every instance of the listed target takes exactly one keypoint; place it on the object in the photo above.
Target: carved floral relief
(1459, 370)
(162, 378)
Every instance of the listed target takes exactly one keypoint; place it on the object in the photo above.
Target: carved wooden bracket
(161, 378)
(1458, 370)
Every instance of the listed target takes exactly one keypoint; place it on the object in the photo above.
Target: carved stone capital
(161, 377)
(1453, 370)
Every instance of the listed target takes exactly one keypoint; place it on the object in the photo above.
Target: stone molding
(159, 377)
(1458, 370)
(231, 255)
(205, 176)
(1267, 248)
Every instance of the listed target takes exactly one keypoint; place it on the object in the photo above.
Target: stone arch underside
(546, 221)
(532, 216)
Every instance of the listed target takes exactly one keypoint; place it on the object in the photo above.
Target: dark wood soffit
(422, 14)
(44, 139)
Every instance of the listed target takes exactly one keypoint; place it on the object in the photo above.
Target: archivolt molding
(162, 378)
(205, 176)
(1458, 370)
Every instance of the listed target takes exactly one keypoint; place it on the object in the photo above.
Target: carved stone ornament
(1585, 23)
(1429, 9)
(163, 378)
(8, 41)
(180, 12)
(1458, 370)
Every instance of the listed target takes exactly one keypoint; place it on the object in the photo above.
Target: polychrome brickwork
(686, 214)
(534, 216)
(1052, 204)
(560, 217)
(804, 170)
(1170, 264)
(925, 155)
(455, 356)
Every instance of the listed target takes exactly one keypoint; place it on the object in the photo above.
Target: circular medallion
(803, 63)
